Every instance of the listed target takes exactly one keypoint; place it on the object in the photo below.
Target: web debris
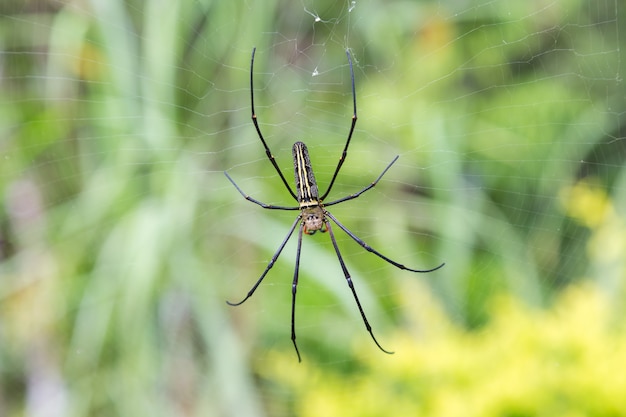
(316, 17)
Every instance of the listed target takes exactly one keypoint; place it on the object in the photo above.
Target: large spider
(313, 215)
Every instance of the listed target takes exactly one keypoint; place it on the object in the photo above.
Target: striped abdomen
(306, 186)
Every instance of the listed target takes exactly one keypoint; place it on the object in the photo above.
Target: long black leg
(255, 201)
(270, 264)
(294, 288)
(369, 187)
(346, 273)
(354, 119)
(375, 252)
(269, 154)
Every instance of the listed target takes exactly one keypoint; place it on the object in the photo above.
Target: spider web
(120, 237)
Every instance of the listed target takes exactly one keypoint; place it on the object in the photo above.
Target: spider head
(313, 219)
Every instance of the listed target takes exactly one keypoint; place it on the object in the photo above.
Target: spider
(313, 216)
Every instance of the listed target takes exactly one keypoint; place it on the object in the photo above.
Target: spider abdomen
(306, 186)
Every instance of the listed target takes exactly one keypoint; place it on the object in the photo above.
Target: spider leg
(346, 273)
(270, 264)
(294, 288)
(369, 187)
(255, 201)
(269, 154)
(354, 119)
(375, 252)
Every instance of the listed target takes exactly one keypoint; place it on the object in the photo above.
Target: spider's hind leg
(346, 273)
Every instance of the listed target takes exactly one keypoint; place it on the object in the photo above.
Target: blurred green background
(121, 238)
